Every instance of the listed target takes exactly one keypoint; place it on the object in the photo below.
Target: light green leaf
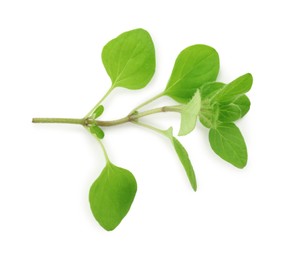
(129, 59)
(227, 142)
(111, 195)
(96, 130)
(234, 89)
(194, 66)
(185, 160)
(97, 112)
(235, 110)
(189, 114)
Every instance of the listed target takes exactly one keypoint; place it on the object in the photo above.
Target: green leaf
(235, 110)
(229, 113)
(129, 59)
(183, 157)
(234, 89)
(189, 114)
(210, 89)
(96, 130)
(209, 115)
(97, 112)
(185, 160)
(227, 142)
(194, 66)
(111, 195)
(243, 103)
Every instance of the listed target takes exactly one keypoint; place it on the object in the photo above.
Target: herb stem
(147, 102)
(76, 121)
(101, 144)
(134, 117)
(104, 150)
(155, 129)
(99, 102)
(87, 121)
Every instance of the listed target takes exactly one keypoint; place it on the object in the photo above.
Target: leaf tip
(241, 165)
(249, 77)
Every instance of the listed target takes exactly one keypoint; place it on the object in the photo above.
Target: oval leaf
(235, 110)
(229, 113)
(189, 114)
(97, 112)
(111, 195)
(227, 142)
(243, 103)
(129, 59)
(96, 130)
(235, 88)
(210, 89)
(194, 66)
(185, 160)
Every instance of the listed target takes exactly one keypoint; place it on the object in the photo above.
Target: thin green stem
(104, 150)
(101, 144)
(155, 129)
(134, 117)
(147, 102)
(99, 102)
(89, 121)
(76, 121)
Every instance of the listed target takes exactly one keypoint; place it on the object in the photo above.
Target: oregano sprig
(129, 60)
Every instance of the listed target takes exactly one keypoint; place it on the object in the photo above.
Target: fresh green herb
(97, 112)
(189, 114)
(111, 195)
(232, 111)
(193, 67)
(185, 160)
(129, 61)
(227, 141)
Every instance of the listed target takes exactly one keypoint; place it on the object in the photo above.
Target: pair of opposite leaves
(129, 60)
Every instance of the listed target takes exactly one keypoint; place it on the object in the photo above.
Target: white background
(50, 65)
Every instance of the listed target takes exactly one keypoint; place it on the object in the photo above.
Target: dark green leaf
(210, 89)
(96, 130)
(234, 89)
(111, 195)
(227, 142)
(184, 158)
(243, 103)
(235, 110)
(98, 112)
(229, 113)
(194, 66)
(129, 59)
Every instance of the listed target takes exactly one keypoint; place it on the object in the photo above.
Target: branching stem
(99, 102)
(89, 121)
(147, 102)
